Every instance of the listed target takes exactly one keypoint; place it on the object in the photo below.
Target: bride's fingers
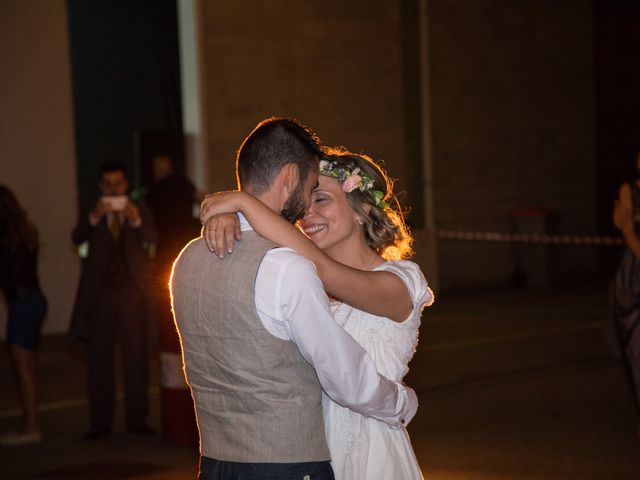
(209, 237)
(220, 236)
(230, 234)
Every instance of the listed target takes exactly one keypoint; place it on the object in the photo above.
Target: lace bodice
(364, 448)
(390, 344)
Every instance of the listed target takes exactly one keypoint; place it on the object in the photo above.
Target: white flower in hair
(351, 180)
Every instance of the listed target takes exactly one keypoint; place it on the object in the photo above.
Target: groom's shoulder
(196, 248)
(289, 261)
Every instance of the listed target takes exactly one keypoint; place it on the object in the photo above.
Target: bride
(356, 236)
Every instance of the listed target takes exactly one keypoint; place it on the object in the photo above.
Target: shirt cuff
(408, 406)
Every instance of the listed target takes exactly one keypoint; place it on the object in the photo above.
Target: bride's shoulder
(403, 267)
(411, 275)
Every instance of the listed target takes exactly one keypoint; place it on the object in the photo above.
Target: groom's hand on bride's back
(220, 232)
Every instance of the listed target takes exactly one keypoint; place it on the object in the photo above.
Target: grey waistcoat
(256, 398)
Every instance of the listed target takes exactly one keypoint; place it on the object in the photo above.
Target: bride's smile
(330, 220)
(311, 229)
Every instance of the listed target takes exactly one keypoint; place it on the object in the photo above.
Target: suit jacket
(136, 248)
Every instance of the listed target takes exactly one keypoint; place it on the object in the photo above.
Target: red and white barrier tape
(543, 239)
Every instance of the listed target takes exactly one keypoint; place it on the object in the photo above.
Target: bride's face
(330, 220)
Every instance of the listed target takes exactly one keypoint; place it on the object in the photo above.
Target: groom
(258, 339)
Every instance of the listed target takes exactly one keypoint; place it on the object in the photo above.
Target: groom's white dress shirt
(292, 305)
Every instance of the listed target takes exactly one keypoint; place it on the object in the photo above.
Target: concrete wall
(510, 108)
(335, 66)
(509, 99)
(190, 86)
(512, 90)
(37, 159)
(338, 67)
(510, 84)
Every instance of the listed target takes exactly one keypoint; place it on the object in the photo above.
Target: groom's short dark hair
(274, 143)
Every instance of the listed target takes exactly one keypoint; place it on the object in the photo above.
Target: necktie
(115, 227)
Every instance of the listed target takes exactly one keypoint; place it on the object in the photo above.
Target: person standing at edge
(626, 284)
(171, 199)
(259, 342)
(27, 307)
(110, 303)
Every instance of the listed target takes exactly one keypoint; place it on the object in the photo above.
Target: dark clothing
(26, 313)
(118, 313)
(133, 244)
(19, 271)
(171, 202)
(117, 274)
(25, 300)
(110, 308)
(212, 469)
(626, 306)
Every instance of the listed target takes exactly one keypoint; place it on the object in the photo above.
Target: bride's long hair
(15, 227)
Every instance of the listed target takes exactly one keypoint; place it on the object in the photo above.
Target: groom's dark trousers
(212, 469)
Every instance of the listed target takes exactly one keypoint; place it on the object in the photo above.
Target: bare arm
(379, 293)
(623, 219)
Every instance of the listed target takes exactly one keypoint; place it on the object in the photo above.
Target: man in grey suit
(258, 339)
(110, 301)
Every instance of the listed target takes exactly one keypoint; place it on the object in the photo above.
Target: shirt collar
(244, 223)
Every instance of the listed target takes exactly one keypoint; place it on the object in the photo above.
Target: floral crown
(352, 179)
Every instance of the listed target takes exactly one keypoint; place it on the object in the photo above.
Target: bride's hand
(221, 224)
(220, 233)
(220, 202)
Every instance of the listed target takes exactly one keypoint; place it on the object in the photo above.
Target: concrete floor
(513, 384)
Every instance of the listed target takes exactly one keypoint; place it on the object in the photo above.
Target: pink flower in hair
(351, 183)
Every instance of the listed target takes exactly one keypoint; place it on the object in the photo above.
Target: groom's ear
(291, 176)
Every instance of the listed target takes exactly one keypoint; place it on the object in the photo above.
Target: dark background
(617, 106)
(126, 87)
(127, 101)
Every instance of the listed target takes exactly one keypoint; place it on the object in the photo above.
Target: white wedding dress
(363, 448)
